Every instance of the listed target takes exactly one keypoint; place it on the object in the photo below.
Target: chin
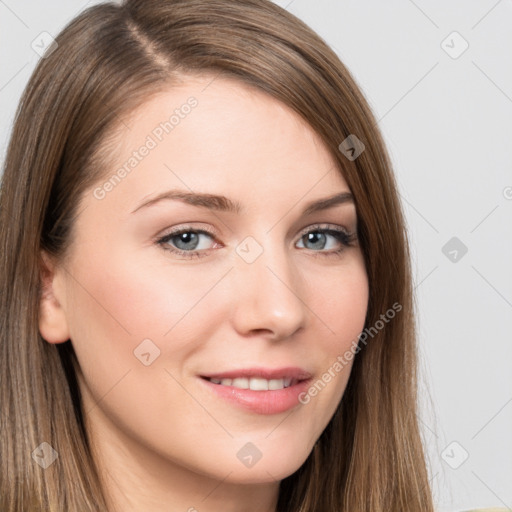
(272, 467)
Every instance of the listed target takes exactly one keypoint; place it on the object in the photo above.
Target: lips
(260, 390)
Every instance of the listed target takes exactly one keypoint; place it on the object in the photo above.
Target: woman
(268, 366)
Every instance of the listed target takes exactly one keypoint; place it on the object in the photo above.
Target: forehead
(205, 111)
(219, 135)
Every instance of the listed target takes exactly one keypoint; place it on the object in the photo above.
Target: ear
(53, 323)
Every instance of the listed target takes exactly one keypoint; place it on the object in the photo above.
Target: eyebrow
(223, 203)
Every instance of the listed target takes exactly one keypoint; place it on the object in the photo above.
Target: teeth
(276, 384)
(241, 383)
(256, 383)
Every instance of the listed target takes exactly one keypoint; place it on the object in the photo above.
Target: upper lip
(289, 372)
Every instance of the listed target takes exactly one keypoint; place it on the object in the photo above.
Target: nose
(267, 292)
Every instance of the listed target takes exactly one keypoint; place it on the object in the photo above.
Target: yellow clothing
(494, 509)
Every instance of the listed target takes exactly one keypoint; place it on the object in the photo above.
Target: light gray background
(448, 125)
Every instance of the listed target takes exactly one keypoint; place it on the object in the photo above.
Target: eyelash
(346, 240)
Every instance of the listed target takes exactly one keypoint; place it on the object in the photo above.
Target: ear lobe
(53, 324)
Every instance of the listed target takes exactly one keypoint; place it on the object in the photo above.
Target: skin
(161, 439)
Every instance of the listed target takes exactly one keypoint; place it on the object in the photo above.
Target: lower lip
(262, 402)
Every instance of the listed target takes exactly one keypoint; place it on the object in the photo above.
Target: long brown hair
(107, 61)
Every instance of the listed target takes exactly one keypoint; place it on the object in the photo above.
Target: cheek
(138, 299)
(342, 304)
(116, 305)
(117, 302)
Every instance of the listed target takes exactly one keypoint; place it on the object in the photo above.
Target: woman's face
(266, 294)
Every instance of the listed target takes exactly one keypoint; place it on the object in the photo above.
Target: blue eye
(188, 243)
(320, 238)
